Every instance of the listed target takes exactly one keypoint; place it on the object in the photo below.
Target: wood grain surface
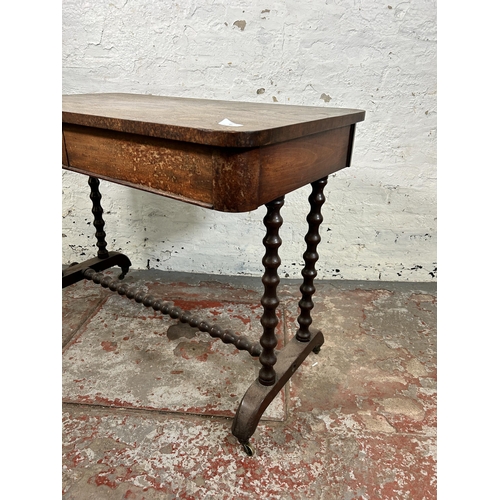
(157, 165)
(174, 147)
(198, 120)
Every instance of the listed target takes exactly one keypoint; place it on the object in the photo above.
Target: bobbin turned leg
(104, 259)
(270, 301)
(312, 239)
(276, 370)
(97, 211)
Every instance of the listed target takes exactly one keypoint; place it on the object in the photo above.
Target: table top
(204, 121)
(226, 155)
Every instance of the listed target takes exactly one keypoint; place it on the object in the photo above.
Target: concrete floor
(147, 405)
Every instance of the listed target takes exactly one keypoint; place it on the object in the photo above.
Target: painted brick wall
(380, 215)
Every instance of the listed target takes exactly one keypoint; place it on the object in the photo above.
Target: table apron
(221, 178)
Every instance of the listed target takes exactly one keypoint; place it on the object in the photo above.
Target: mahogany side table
(221, 155)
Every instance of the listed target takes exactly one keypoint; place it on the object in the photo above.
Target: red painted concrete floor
(147, 405)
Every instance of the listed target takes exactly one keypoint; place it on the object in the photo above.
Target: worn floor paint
(123, 357)
(357, 421)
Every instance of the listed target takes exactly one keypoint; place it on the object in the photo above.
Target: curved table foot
(258, 397)
(74, 272)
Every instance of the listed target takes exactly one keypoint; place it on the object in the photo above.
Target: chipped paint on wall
(380, 217)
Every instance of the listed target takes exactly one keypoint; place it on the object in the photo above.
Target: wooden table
(221, 155)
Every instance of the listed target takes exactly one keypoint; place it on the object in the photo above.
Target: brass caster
(317, 349)
(249, 449)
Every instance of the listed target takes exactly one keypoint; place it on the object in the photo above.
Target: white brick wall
(380, 215)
